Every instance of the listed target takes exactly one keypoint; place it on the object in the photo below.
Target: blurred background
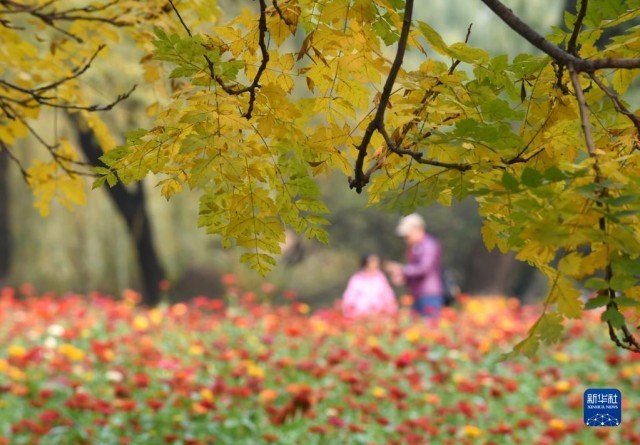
(110, 245)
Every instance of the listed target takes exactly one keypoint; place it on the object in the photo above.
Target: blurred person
(422, 272)
(368, 291)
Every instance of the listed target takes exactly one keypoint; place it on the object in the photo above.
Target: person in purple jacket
(422, 271)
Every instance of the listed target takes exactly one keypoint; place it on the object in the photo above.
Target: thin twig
(184, 25)
(617, 103)
(417, 156)
(5, 148)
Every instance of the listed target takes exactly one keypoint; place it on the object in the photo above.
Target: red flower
(404, 359)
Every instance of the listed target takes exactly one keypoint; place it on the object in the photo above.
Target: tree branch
(577, 26)
(584, 117)
(417, 156)
(558, 54)
(262, 27)
(280, 14)
(377, 123)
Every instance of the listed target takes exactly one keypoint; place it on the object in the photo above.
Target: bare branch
(558, 54)
(50, 17)
(76, 72)
(584, 114)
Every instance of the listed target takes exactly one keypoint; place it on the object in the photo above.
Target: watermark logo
(602, 407)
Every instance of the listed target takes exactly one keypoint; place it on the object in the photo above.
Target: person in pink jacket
(368, 291)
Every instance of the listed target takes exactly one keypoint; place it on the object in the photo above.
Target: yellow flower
(319, 326)
(303, 308)
(372, 341)
(378, 392)
(471, 431)
(140, 323)
(16, 374)
(155, 315)
(561, 357)
(255, 371)
(206, 394)
(557, 424)
(627, 371)
(562, 386)
(72, 353)
(457, 377)
(16, 351)
(196, 349)
(412, 335)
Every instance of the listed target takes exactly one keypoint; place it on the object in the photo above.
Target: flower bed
(89, 369)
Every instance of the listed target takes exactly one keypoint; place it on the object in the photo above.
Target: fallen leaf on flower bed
(89, 369)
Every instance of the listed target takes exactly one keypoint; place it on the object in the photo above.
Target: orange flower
(406, 300)
(267, 396)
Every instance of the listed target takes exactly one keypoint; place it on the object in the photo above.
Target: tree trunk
(131, 205)
(5, 230)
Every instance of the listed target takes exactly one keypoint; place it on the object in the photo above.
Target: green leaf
(529, 346)
(598, 301)
(625, 265)
(621, 282)
(99, 182)
(531, 177)
(596, 283)
(626, 301)
(510, 182)
(550, 327)
(554, 174)
(613, 316)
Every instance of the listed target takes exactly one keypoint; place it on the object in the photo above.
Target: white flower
(55, 330)
(114, 376)
(50, 343)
